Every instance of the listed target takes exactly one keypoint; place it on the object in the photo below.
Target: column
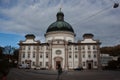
(37, 55)
(50, 56)
(66, 57)
(19, 58)
(80, 58)
(98, 57)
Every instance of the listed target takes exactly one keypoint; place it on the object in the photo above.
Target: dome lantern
(88, 35)
(60, 16)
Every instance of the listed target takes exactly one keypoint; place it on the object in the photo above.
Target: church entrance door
(89, 66)
(58, 63)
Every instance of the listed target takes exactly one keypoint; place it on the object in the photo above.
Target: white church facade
(60, 48)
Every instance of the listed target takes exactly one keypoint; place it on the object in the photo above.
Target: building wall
(43, 56)
(54, 55)
(73, 55)
(73, 59)
(68, 36)
(89, 53)
(104, 59)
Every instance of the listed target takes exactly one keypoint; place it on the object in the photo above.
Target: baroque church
(60, 48)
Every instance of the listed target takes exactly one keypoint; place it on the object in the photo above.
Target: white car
(23, 66)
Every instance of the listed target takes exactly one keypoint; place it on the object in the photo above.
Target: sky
(21, 17)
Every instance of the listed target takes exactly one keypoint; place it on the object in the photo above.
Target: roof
(60, 24)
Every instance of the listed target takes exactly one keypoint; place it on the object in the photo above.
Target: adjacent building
(60, 48)
(106, 58)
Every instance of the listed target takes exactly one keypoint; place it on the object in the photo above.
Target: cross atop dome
(60, 9)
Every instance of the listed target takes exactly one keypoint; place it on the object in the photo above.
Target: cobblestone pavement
(29, 74)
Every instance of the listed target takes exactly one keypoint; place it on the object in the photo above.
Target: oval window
(58, 52)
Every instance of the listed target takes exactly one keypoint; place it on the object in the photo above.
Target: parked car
(23, 66)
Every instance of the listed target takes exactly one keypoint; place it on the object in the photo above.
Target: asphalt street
(29, 74)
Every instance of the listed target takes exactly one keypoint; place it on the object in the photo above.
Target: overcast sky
(21, 17)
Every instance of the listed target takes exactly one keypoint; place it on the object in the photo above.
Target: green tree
(118, 62)
(112, 64)
(8, 50)
(113, 51)
(16, 54)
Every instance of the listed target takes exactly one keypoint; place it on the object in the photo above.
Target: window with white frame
(46, 63)
(83, 55)
(33, 54)
(94, 52)
(82, 47)
(58, 42)
(70, 55)
(69, 48)
(49, 41)
(46, 55)
(40, 63)
(83, 52)
(34, 47)
(41, 47)
(88, 47)
(76, 55)
(41, 55)
(22, 62)
(70, 64)
(95, 55)
(84, 64)
(28, 54)
(94, 47)
(33, 63)
(23, 47)
(89, 52)
(23, 55)
(95, 63)
(47, 47)
(89, 55)
(76, 48)
(29, 47)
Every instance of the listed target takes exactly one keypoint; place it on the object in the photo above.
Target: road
(24, 74)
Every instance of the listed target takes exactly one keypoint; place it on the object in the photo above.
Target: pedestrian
(59, 71)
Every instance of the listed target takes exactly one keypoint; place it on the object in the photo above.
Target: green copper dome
(60, 24)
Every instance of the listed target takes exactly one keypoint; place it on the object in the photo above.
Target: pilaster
(66, 56)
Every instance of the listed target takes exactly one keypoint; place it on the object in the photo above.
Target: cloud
(86, 16)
